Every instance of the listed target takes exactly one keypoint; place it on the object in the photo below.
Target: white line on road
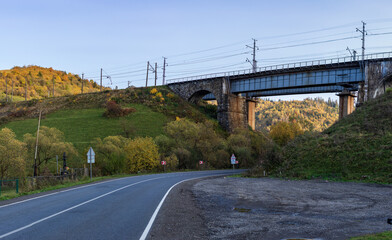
(62, 191)
(68, 209)
(154, 215)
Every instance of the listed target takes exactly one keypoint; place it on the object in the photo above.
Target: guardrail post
(17, 185)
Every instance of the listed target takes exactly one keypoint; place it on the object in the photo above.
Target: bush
(141, 154)
(110, 154)
(283, 132)
(115, 110)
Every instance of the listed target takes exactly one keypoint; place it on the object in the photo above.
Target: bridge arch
(232, 109)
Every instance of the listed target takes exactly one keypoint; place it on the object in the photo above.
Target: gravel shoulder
(246, 208)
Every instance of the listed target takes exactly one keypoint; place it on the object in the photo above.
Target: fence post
(17, 185)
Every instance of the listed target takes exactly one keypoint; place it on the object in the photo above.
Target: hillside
(356, 148)
(311, 114)
(40, 82)
(81, 118)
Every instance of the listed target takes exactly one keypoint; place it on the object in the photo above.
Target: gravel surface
(246, 208)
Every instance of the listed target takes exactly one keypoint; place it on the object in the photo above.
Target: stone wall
(232, 109)
(378, 79)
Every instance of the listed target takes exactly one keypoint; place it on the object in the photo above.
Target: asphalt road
(116, 209)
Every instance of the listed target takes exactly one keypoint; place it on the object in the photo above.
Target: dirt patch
(243, 208)
(179, 217)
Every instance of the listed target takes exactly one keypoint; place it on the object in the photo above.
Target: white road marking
(76, 206)
(154, 215)
(62, 191)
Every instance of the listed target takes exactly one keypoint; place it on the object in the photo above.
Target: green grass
(81, 126)
(378, 236)
(13, 194)
(356, 148)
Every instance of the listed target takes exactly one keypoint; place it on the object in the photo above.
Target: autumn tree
(110, 155)
(12, 153)
(141, 154)
(51, 142)
(283, 132)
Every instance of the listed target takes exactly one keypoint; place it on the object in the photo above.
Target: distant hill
(40, 83)
(311, 114)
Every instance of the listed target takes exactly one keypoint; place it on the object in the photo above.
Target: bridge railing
(322, 62)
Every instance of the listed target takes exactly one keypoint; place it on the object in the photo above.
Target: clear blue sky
(81, 36)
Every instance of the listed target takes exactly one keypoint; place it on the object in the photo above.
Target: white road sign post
(91, 160)
(233, 160)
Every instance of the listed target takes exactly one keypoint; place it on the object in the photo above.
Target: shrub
(141, 154)
(110, 154)
(115, 110)
(283, 132)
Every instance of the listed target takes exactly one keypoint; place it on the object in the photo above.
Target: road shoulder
(179, 217)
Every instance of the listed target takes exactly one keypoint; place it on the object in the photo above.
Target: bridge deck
(331, 75)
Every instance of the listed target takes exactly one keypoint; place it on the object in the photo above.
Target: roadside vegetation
(131, 131)
(356, 148)
(378, 236)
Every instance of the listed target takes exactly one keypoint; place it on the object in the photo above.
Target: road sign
(91, 156)
(163, 163)
(233, 159)
(201, 162)
(236, 162)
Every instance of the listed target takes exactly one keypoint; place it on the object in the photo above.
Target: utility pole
(156, 72)
(164, 71)
(364, 32)
(6, 89)
(353, 53)
(100, 89)
(53, 86)
(25, 89)
(36, 145)
(366, 84)
(12, 91)
(148, 67)
(82, 81)
(254, 62)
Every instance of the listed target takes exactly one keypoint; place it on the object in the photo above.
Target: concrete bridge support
(233, 111)
(346, 104)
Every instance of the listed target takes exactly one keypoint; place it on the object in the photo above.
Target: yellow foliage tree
(12, 153)
(283, 132)
(142, 154)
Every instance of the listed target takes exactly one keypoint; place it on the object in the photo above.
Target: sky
(196, 37)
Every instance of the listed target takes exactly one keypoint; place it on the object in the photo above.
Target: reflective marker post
(91, 160)
(233, 160)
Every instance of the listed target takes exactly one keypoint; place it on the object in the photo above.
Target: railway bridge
(236, 91)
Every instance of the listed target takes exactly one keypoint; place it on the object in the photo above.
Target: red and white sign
(236, 162)
(201, 162)
(163, 162)
(233, 159)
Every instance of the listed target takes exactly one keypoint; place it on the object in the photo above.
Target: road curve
(116, 209)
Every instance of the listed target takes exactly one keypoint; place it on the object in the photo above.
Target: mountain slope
(40, 82)
(359, 147)
(311, 114)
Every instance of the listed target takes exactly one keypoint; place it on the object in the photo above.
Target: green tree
(12, 153)
(110, 155)
(283, 132)
(51, 142)
(142, 154)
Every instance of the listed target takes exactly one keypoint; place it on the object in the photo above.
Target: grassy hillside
(359, 147)
(311, 114)
(81, 118)
(40, 82)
